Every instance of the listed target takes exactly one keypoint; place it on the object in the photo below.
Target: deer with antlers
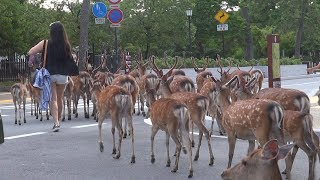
(202, 74)
(261, 164)
(19, 95)
(171, 116)
(116, 102)
(252, 119)
(197, 105)
(258, 74)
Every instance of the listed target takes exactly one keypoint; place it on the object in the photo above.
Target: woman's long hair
(60, 48)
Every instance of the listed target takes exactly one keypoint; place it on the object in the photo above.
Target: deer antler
(196, 68)
(160, 72)
(218, 61)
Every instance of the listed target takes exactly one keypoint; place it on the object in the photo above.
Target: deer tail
(182, 113)
(308, 131)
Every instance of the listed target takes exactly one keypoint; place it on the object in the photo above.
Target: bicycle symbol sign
(99, 9)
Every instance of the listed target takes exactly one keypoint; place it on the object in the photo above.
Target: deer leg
(40, 113)
(311, 155)
(88, 108)
(203, 129)
(167, 146)
(15, 111)
(211, 128)
(192, 136)
(113, 138)
(24, 111)
(64, 110)
(120, 132)
(316, 143)
(154, 131)
(232, 142)
(100, 121)
(174, 136)
(196, 157)
(251, 146)
(75, 107)
(133, 157)
(125, 128)
(36, 111)
(86, 115)
(19, 113)
(142, 100)
(31, 106)
(47, 114)
(218, 119)
(69, 108)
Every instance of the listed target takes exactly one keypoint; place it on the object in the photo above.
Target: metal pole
(222, 34)
(189, 19)
(116, 48)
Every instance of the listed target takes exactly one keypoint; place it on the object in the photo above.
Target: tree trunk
(84, 28)
(300, 30)
(248, 35)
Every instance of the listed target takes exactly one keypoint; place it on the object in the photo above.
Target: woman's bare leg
(53, 104)
(60, 92)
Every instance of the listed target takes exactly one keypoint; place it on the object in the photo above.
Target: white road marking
(148, 121)
(25, 135)
(84, 126)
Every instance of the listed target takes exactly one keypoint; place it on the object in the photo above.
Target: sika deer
(19, 96)
(171, 116)
(202, 74)
(209, 90)
(130, 84)
(116, 102)
(257, 73)
(298, 128)
(196, 103)
(68, 98)
(146, 81)
(261, 164)
(253, 119)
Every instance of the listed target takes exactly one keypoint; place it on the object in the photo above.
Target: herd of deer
(272, 117)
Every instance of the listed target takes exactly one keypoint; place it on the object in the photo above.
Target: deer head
(260, 164)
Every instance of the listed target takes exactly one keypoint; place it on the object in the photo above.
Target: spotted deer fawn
(261, 164)
(116, 102)
(19, 96)
(171, 116)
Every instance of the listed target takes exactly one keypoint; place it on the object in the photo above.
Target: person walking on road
(58, 53)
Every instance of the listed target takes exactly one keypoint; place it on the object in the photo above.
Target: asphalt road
(32, 151)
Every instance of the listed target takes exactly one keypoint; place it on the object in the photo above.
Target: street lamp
(189, 14)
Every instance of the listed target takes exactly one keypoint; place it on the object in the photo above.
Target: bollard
(1, 130)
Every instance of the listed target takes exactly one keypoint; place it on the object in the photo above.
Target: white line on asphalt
(25, 135)
(84, 126)
(148, 121)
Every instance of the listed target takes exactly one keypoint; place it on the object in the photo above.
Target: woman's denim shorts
(59, 79)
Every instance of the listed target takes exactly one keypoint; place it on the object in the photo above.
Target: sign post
(115, 16)
(99, 10)
(1, 130)
(274, 75)
(222, 16)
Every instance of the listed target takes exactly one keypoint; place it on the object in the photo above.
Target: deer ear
(233, 83)
(270, 150)
(284, 150)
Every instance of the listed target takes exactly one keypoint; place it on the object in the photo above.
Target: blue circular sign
(99, 9)
(115, 16)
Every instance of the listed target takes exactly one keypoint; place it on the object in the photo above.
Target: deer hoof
(284, 172)
(168, 163)
(15, 122)
(192, 144)
(86, 116)
(19, 123)
(125, 135)
(143, 114)
(211, 161)
(76, 115)
(133, 159)
(114, 151)
(138, 113)
(174, 170)
(101, 146)
(62, 119)
(69, 117)
(152, 159)
(190, 174)
(116, 156)
(196, 157)
(24, 121)
(184, 150)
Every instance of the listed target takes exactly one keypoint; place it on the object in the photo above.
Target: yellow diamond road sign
(222, 16)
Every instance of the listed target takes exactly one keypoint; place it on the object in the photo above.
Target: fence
(11, 68)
